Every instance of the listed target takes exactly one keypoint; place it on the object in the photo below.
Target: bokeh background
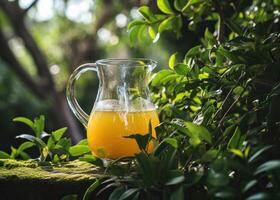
(43, 41)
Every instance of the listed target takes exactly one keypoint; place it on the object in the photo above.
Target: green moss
(73, 171)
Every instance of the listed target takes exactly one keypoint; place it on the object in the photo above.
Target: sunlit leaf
(200, 131)
(172, 60)
(39, 125)
(25, 121)
(164, 6)
(56, 135)
(78, 150)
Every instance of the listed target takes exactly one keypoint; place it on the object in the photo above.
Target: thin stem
(221, 22)
(227, 96)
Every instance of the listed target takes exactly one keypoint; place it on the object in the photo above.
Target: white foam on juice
(135, 105)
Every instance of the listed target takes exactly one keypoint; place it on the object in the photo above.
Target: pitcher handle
(70, 92)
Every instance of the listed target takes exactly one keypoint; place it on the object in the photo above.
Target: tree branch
(221, 22)
(8, 56)
(30, 6)
(14, 13)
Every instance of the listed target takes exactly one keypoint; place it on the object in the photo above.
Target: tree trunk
(64, 116)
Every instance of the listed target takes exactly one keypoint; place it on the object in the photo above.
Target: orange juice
(106, 131)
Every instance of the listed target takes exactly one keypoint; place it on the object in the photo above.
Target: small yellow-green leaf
(78, 150)
(152, 32)
(166, 24)
(172, 60)
(164, 6)
(173, 142)
(237, 152)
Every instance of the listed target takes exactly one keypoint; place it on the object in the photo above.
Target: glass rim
(133, 62)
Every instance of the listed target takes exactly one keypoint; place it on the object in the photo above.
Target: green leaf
(117, 193)
(133, 34)
(144, 163)
(166, 24)
(225, 194)
(91, 189)
(234, 27)
(164, 6)
(237, 152)
(249, 185)
(172, 60)
(24, 155)
(259, 196)
(268, 166)
(78, 150)
(25, 121)
(178, 194)
(56, 135)
(135, 23)
(142, 140)
(31, 138)
(192, 52)
(24, 146)
(276, 2)
(146, 12)
(199, 131)
(152, 32)
(174, 177)
(65, 143)
(83, 142)
(173, 142)
(180, 4)
(256, 155)
(128, 193)
(181, 69)
(39, 125)
(194, 141)
(160, 75)
(4, 155)
(236, 140)
(92, 160)
(191, 2)
(209, 155)
(50, 143)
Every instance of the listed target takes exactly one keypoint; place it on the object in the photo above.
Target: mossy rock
(33, 180)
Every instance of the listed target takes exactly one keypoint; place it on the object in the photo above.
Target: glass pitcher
(122, 106)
